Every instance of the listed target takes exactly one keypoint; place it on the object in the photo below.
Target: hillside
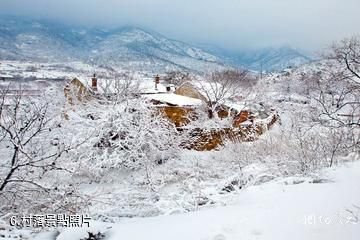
(129, 48)
(129, 172)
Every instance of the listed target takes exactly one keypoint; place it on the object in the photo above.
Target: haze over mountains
(129, 48)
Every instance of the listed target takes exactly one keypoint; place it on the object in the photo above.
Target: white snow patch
(175, 99)
(275, 210)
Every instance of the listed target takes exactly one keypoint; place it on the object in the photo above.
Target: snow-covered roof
(174, 99)
(210, 89)
(5, 76)
(147, 86)
(144, 85)
(238, 106)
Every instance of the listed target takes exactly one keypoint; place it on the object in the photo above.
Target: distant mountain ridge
(128, 47)
(267, 59)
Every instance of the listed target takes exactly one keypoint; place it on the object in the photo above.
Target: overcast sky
(233, 24)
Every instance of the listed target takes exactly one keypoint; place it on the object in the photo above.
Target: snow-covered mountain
(273, 58)
(34, 40)
(128, 48)
(148, 50)
(267, 59)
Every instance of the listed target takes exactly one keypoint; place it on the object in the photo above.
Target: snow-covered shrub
(285, 153)
(130, 135)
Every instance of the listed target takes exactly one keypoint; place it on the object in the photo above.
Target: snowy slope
(267, 59)
(144, 49)
(127, 48)
(273, 58)
(276, 210)
(26, 39)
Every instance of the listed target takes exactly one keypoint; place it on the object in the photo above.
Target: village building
(181, 106)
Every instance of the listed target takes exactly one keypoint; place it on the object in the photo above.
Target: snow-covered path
(276, 210)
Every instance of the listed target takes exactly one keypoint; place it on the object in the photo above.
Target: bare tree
(31, 148)
(336, 88)
(177, 77)
(347, 54)
(223, 85)
(117, 87)
(339, 87)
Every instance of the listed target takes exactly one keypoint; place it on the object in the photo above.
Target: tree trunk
(12, 170)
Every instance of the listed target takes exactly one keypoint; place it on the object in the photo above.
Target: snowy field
(278, 210)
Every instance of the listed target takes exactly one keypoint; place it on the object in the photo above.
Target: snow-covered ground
(238, 192)
(281, 209)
